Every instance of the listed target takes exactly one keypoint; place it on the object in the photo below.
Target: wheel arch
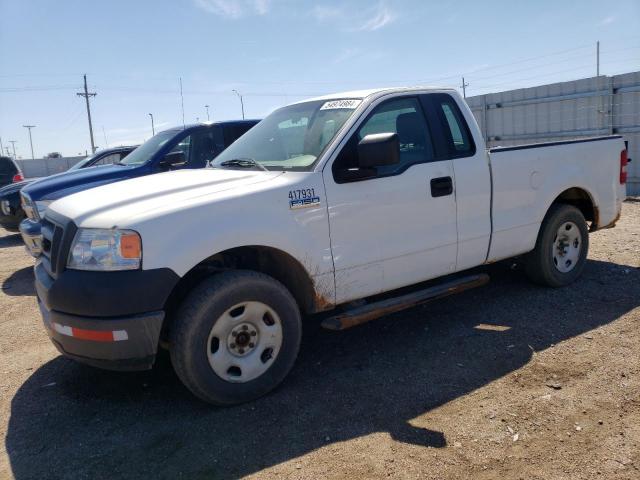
(271, 261)
(583, 200)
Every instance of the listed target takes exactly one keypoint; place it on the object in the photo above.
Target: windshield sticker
(343, 104)
(303, 198)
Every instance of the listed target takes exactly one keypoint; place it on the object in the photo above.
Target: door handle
(441, 186)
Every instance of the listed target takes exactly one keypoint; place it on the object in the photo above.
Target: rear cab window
(454, 136)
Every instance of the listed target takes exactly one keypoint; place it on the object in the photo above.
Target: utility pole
(1, 147)
(30, 139)
(464, 88)
(207, 107)
(153, 129)
(598, 58)
(241, 102)
(13, 144)
(106, 144)
(86, 96)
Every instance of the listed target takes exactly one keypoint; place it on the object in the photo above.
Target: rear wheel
(561, 248)
(236, 337)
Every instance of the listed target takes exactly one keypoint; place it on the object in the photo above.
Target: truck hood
(119, 204)
(66, 183)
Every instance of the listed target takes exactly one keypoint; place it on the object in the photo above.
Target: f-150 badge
(303, 198)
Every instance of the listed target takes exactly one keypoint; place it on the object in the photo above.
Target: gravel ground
(505, 381)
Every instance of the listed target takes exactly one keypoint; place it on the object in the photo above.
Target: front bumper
(116, 343)
(31, 236)
(109, 320)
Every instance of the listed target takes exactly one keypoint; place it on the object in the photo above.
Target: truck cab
(187, 147)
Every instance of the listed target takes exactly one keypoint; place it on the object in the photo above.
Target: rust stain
(615, 220)
(321, 303)
(596, 219)
(609, 225)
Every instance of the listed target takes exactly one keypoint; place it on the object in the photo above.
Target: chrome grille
(52, 234)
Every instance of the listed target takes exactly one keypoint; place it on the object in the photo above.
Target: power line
(86, 96)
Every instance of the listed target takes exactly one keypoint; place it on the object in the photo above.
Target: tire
(561, 248)
(221, 339)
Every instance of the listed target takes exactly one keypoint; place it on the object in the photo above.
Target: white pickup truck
(341, 204)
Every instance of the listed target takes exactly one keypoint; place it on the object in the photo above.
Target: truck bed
(526, 179)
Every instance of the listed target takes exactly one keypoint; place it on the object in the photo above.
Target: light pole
(13, 144)
(153, 129)
(30, 139)
(207, 107)
(241, 102)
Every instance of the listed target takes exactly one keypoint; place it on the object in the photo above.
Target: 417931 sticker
(303, 198)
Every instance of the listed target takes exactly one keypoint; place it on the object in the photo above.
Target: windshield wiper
(243, 163)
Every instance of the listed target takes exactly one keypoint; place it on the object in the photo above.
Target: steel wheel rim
(244, 342)
(567, 246)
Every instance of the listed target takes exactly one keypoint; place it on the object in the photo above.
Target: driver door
(397, 227)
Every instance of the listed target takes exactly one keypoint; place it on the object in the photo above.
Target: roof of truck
(373, 91)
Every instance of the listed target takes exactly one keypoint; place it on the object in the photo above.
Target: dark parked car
(9, 172)
(193, 146)
(11, 212)
(10, 175)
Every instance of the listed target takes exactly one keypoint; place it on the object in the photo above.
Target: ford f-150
(343, 204)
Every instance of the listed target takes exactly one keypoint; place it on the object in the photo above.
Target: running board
(371, 311)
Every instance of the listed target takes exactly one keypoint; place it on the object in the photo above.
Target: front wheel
(235, 338)
(561, 248)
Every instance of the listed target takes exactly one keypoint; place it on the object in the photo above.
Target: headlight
(28, 207)
(108, 250)
(5, 206)
(41, 207)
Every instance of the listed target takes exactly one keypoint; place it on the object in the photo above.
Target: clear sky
(275, 52)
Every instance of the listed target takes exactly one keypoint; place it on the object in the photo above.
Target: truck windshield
(291, 138)
(85, 161)
(148, 149)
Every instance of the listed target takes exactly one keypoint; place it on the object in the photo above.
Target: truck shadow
(10, 240)
(70, 421)
(20, 283)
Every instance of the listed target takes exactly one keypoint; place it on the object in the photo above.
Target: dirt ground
(505, 381)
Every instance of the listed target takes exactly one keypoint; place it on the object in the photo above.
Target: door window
(183, 146)
(403, 116)
(234, 132)
(205, 146)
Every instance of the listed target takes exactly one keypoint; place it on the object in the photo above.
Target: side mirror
(173, 160)
(378, 150)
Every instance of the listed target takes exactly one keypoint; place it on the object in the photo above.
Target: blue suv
(193, 146)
